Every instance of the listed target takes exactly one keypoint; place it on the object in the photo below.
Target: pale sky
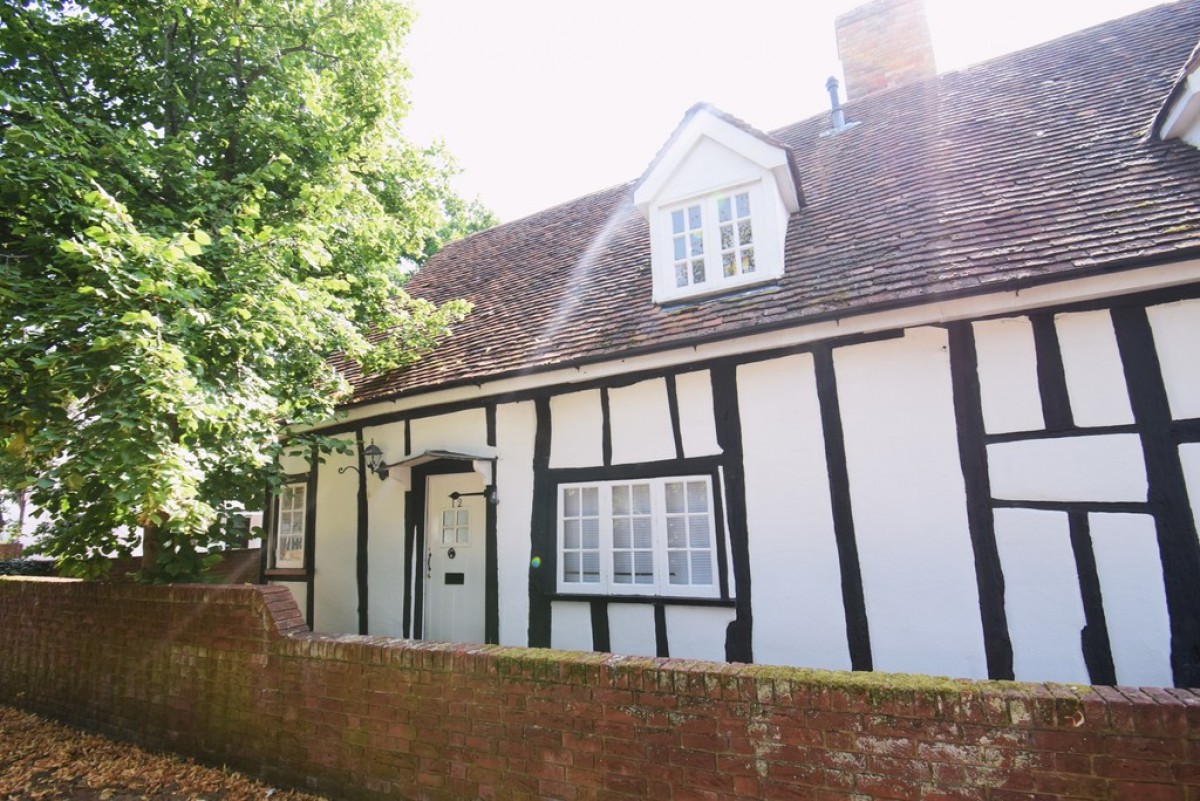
(541, 101)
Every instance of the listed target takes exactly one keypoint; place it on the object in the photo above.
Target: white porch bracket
(483, 463)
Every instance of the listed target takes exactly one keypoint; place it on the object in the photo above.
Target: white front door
(455, 558)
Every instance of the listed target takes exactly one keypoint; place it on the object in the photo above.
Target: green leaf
(153, 368)
(140, 318)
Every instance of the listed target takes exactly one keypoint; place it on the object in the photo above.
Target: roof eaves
(1015, 284)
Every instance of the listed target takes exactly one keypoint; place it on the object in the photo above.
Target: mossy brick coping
(274, 603)
(230, 675)
(1055, 705)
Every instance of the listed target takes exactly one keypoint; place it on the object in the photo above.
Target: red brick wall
(10, 550)
(227, 674)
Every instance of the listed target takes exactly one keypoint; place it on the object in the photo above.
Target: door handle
(429, 564)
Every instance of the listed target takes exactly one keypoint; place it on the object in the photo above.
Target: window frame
(661, 585)
(716, 282)
(291, 567)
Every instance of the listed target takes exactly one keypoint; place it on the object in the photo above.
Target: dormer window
(712, 240)
(1179, 118)
(717, 199)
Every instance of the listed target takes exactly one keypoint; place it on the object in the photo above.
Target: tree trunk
(151, 548)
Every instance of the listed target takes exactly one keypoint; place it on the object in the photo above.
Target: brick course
(883, 45)
(231, 676)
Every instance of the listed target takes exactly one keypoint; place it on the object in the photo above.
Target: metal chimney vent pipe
(837, 115)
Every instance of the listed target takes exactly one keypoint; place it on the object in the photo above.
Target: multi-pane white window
(632, 534)
(289, 530)
(456, 527)
(645, 536)
(689, 533)
(737, 237)
(687, 242)
(712, 240)
(579, 535)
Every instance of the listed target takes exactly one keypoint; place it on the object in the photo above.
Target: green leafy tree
(462, 218)
(199, 203)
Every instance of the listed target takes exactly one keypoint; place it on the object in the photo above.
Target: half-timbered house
(909, 386)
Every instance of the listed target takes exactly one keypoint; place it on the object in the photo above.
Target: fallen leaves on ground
(40, 759)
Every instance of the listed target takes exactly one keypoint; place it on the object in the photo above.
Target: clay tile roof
(1029, 167)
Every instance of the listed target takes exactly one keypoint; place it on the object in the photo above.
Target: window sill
(730, 291)
(286, 573)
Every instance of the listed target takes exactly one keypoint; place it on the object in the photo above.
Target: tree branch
(287, 51)
(35, 43)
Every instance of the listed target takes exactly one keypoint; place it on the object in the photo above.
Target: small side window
(291, 524)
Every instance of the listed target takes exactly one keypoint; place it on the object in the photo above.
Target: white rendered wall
(571, 626)
(795, 575)
(1135, 605)
(698, 632)
(696, 424)
(1092, 363)
(1108, 467)
(631, 629)
(335, 581)
(1189, 455)
(293, 464)
(385, 540)
(909, 505)
(1008, 381)
(1041, 595)
(1176, 328)
(516, 424)
(640, 419)
(464, 432)
(577, 430)
(388, 438)
(913, 541)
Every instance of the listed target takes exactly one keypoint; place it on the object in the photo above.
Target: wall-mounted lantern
(374, 457)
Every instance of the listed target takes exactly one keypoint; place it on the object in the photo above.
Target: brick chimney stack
(884, 44)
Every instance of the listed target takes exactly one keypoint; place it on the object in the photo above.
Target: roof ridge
(1065, 41)
(957, 186)
(778, 135)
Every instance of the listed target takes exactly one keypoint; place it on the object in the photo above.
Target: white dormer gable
(717, 199)
(1182, 120)
(1179, 118)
